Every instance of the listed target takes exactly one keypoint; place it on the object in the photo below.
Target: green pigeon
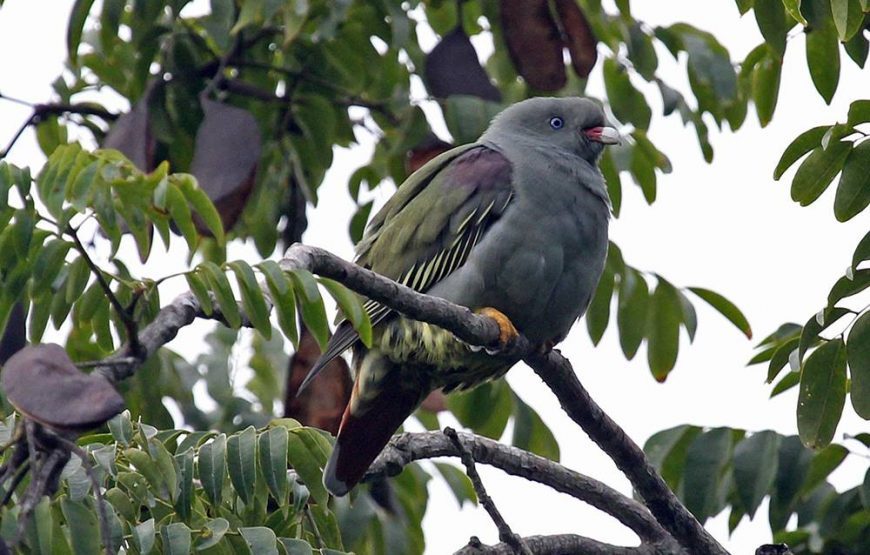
(513, 226)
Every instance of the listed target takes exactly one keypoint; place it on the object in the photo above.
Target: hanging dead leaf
(430, 147)
(581, 42)
(452, 68)
(43, 384)
(534, 43)
(322, 403)
(15, 335)
(131, 134)
(225, 158)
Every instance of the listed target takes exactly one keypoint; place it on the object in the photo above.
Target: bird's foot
(507, 333)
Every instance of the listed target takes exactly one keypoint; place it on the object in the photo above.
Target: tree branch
(409, 447)
(554, 369)
(557, 373)
(567, 544)
(505, 533)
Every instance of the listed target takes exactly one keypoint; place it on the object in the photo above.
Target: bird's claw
(507, 333)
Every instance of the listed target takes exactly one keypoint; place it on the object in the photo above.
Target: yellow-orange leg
(507, 333)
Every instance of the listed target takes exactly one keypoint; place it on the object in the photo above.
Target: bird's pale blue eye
(556, 122)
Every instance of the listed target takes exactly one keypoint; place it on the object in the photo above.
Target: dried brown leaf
(225, 158)
(42, 383)
(452, 68)
(534, 43)
(579, 39)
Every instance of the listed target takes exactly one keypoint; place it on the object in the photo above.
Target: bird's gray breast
(540, 262)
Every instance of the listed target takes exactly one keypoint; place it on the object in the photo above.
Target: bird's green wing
(430, 226)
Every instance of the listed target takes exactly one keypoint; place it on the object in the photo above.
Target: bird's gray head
(571, 124)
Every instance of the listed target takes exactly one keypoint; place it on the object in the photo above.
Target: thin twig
(505, 533)
(126, 316)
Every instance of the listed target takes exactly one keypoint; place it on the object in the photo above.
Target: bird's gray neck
(554, 160)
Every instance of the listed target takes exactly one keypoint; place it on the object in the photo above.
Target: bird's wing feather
(430, 226)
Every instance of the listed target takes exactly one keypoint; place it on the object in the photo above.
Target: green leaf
(823, 50)
(705, 461)
(818, 323)
(351, 308)
(822, 394)
(770, 16)
(184, 500)
(530, 432)
(853, 191)
(283, 299)
(200, 291)
(857, 48)
(203, 206)
(793, 7)
(220, 286)
(627, 103)
(165, 466)
(77, 19)
(817, 171)
(43, 527)
(848, 17)
(144, 536)
(755, 464)
(802, 144)
(308, 457)
(311, 305)
(84, 529)
(823, 463)
(180, 212)
(213, 532)
(77, 279)
(794, 460)
(598, 312)
(242, 462)
(273, 461)
(765, 86)
(787, 382)
(781, 357)
(859, 112)
(631, 311)
(467, 117)
(642, 52)
(485, 409)
(858, 356)
(862, 251)
(260, 540)
(252, 297)
(744, 6)
(458, 482)
(849, 285)
(296, 547)
(663, 330)
(211, 467)
(175, 538)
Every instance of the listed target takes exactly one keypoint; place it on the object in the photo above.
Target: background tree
(251, 98)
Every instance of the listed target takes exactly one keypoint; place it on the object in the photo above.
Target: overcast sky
(726, 226)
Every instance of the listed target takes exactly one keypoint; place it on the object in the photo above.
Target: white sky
(727, 226)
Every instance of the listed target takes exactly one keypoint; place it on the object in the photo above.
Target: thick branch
(409, 447)
(465, 324)
(557, 373)
(554, 369)
(567, 544)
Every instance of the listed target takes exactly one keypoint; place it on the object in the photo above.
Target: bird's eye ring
(556, 122)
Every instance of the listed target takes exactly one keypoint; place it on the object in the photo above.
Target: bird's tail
(382, 399)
